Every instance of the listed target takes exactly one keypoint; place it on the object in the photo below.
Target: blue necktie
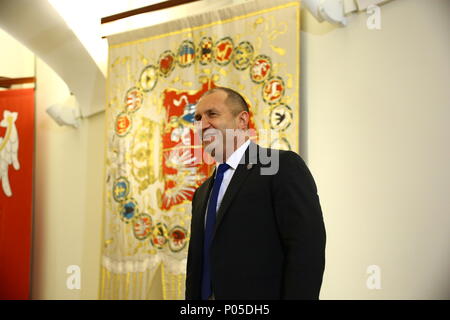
(209, 229)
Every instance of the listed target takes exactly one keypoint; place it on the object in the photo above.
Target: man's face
(215, 124)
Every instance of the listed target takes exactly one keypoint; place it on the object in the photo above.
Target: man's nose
(204, 124)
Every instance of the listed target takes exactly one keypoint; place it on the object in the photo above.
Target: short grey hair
(233, 100)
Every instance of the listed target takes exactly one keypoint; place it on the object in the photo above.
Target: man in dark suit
(257, 230)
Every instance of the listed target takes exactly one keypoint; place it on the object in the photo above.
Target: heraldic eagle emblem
(9, 146)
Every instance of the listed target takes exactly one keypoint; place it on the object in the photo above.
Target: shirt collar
(236, 156)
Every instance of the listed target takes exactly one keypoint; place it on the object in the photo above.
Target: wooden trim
(8, 82)
(151, 8)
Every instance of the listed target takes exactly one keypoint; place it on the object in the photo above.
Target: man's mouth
(209, 137)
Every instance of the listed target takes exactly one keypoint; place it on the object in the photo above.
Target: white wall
(376, 111)
(68, 184)
(15, 60)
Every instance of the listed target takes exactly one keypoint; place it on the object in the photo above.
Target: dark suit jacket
(269, 239)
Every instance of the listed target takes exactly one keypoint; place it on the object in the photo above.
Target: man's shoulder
(202, 186)
(280, 155)
(205, 183)
(274, 161)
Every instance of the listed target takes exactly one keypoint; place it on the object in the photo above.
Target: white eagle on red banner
(9, 147)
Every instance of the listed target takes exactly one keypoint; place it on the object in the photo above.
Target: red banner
(16, 179)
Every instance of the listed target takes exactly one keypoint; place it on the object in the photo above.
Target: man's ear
(243, 120)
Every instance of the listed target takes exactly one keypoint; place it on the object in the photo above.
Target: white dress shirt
(233, 162)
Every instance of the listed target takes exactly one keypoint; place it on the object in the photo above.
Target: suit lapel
(238, 179)
(241, 174)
